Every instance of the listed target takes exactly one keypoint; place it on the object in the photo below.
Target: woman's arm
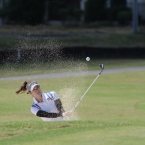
(58, 104)
(42, 113)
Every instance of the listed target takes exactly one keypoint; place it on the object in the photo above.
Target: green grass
(16, 69)
(6, 42)
(115, 63)
(111, 113)
(95, 40)
(19, 69)
(107, 40)
(13, 37)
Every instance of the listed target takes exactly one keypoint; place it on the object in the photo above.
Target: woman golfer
(47, 106)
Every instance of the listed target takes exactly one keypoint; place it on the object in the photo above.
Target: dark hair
(23, 88)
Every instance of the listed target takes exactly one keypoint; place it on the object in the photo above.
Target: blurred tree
(95, 10)
(77, 13)
(118, 2)
(22, 11)
(38, 11)
(54, 9)
(64, 10)
(118, 12)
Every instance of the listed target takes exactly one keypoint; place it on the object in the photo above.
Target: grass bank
(69, 65)
(68, 37)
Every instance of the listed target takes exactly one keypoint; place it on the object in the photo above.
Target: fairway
(111, 113)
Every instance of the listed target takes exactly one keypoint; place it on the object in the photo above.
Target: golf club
(102, 68)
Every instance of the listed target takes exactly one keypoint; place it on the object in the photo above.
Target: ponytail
(22, 88)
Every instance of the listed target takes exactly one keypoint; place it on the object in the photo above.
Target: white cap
(31, 86)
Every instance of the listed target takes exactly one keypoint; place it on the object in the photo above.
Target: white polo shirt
(47, 105)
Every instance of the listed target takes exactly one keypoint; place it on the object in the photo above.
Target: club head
(102, 66)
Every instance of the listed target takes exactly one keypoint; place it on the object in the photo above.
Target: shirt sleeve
(59, 106)
(35, 108)
(52, 95)
(42, 113)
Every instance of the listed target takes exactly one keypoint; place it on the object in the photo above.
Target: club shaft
(85, 92)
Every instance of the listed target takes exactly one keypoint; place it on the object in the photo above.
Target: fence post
(1, 6)
(18, 54)
(135, 16)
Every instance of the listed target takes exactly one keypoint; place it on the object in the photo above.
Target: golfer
(47, 106)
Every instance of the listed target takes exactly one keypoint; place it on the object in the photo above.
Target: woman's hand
(67, 114)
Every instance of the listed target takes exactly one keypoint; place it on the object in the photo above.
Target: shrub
(124, 17)
(113, 12)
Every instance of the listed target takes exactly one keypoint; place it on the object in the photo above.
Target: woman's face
(36, 92)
